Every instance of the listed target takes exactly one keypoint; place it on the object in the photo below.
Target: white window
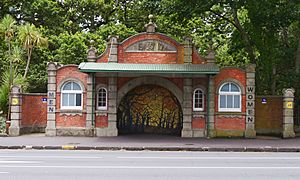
(71, 96)
(230, 98)
(198, 100)
(102, 99)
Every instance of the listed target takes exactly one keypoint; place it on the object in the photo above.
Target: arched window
(198, 100)
(71, 96)
(230, 98)
(102, 99)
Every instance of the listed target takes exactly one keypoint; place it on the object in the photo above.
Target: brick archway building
(83, 100)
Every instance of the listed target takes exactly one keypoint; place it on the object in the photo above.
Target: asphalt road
(146, 165)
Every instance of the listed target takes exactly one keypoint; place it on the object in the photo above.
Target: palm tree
(7, 27)
(30, 37)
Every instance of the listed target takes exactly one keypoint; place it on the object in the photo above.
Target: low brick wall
(34, 113)
(269, 115)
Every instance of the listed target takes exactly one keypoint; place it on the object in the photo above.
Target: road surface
(146, 165)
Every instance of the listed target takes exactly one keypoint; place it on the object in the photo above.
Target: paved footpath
(151, 142)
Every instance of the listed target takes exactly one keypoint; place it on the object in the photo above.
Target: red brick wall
(151, 57)
(230, 123)
(65, 118)
(197, 59)
(101, 80)
(34, 111)
(232, 73)
(198, 123)
(101, 121)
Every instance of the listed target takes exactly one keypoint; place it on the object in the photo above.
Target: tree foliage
(266, 33)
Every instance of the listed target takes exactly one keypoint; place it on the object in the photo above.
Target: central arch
(167, 85)
(149, 109)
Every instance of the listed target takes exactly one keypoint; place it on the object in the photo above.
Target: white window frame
(71, 92)
(194, 100)
(229, 93)
(106, 100)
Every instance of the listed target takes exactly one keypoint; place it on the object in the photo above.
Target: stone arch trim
(241, 86)
(150, 81)
(62, 82)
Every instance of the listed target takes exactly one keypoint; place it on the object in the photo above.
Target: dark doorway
(149, 109)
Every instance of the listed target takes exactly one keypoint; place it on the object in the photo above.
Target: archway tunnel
(149, 109)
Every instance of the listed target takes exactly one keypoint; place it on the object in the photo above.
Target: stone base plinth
(106, 132)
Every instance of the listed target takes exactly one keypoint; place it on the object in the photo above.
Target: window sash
(102, 99)
(227, 102)
(71, 100)
(198, 100)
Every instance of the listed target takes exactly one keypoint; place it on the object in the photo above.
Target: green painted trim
(147, 71)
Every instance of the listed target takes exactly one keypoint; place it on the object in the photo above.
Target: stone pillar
(16, 111)
(288, 113)
(113, 52)
(111, 130)
(90, 106)
(92, 52)
(187, 108)
(51, 127)
(250, 101)
(188, 50)
(211, 132)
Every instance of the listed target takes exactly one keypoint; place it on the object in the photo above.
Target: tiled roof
(149, 68)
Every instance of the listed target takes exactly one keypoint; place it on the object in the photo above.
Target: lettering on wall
(51, 109)
(250, 104)
(51, 94)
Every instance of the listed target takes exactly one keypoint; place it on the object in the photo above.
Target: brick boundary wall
(34, 112)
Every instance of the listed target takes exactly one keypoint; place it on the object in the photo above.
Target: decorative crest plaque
(151, 45)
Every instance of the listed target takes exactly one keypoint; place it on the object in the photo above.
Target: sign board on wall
(14, 101)
(289, 105)
(264, 100)
(44, 100)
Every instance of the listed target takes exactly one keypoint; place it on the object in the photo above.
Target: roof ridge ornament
(150, 27)
(211, 55)
(92, 52)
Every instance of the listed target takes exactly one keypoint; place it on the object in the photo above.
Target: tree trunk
(273, 88)
(297, 59)
(28, 62)
(245, 36)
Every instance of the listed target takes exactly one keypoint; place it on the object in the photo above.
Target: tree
(7, 27)
(30, 37)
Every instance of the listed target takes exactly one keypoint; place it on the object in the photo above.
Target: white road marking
(234, 158)
(19, 162)
(57, 157)
(154, 167)
(4, 172)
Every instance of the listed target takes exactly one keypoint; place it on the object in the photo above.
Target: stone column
(112, 107)
(188, 50)
(16, 111)
(90, 106)
(211, 132)
(51, 127)
(250, 102)
(113, 51)
(288, 113)
(187, 108)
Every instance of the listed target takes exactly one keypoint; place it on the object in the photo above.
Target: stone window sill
(71, 112)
